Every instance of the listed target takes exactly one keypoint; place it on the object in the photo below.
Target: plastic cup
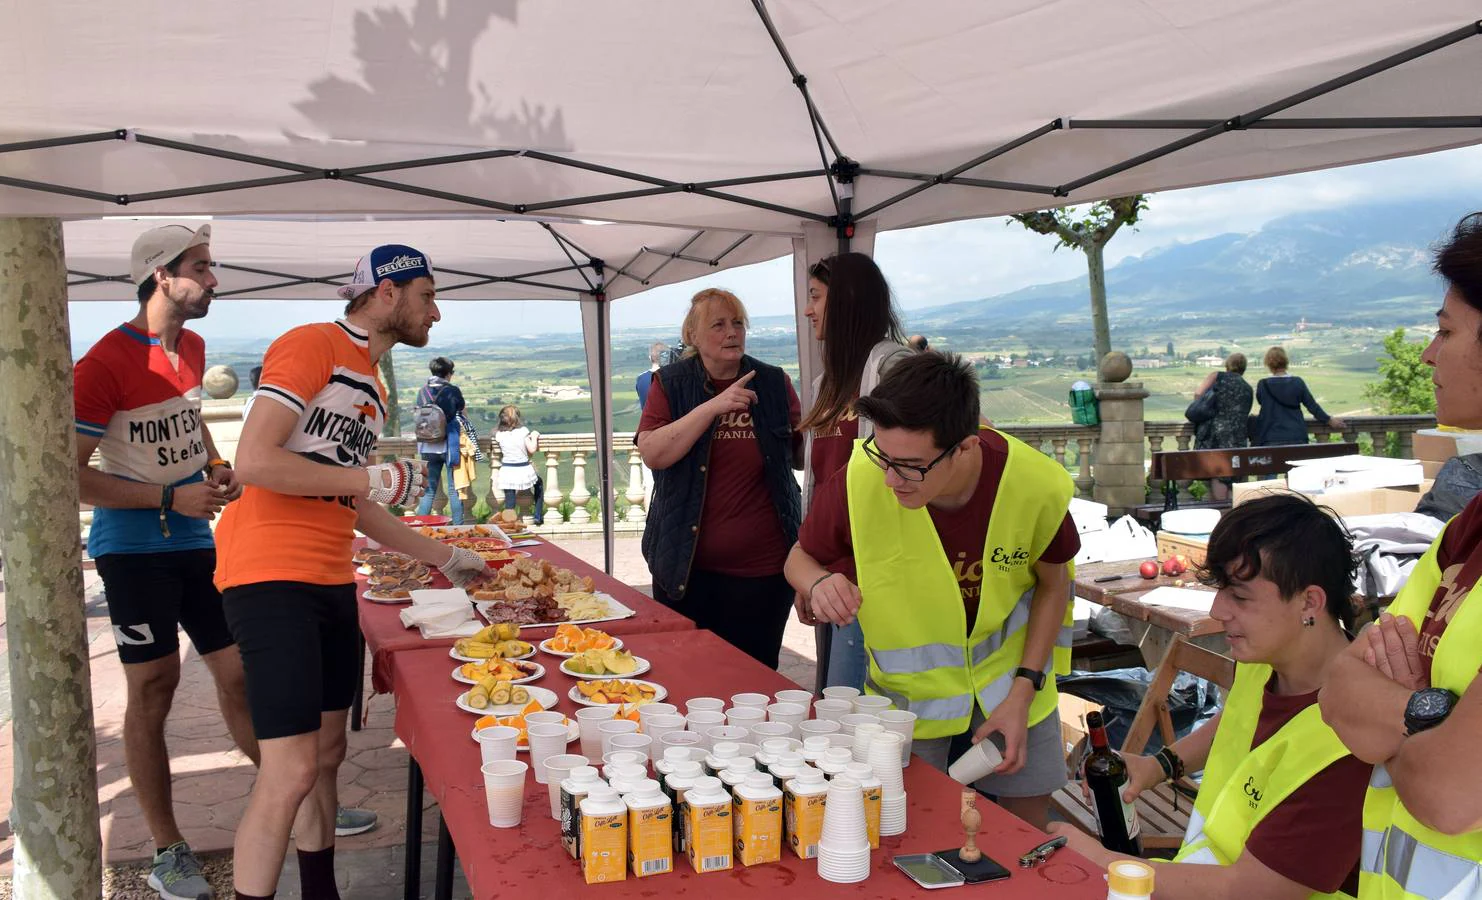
(636, 743)
(546, 739)
(709, 704)
(613, 727)
(765, 731)
(504, 789)
(683, 739)
(649, 710)
(869, 703)
(588, 719)
(497, 742)
(903, 723)
(800, 697)
(658, 726)
(746, 717)
(978, 762)
(842, 740)
(759, 701)
(817, 727)
(789, 714)
(702, 720)
(864, 734)
(832, 708)
(852, 721)
(548, 717)
(721, 734)
(840, 692)
(557, 768)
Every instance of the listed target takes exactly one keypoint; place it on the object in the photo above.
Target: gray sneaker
(177, 874)
(348, 821)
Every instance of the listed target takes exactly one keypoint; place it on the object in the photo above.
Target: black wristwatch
(1427, 709)
(1036, 677)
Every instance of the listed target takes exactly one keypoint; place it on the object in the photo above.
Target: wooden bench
(1163, 811)
(1172, 466)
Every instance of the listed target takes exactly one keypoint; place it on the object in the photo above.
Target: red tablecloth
(385, 635)
(529, 861)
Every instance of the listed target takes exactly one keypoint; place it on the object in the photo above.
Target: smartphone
(927, 870)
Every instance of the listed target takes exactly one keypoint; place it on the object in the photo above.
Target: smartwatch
(1036, 677)
(1427, 709)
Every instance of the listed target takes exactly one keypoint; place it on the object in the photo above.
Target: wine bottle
(1106, 776)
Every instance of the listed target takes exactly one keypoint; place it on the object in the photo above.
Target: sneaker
(348, 821)
(177, 874)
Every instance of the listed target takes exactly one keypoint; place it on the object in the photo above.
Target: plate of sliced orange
(570, 640)
(522, 743)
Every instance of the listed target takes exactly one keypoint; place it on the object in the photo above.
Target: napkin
(441, 614)
(1179, 598)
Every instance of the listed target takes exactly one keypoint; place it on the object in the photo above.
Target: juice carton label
(650, 841)
(571, 823)
(804, 822)
(709, 842)
(758, 830)
(872, 816)
(681, 828)
(604, 848)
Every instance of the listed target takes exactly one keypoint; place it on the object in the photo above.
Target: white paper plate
(615, 611)
(660, 692)
(374, 597)
(573, 731)
(545, 698)
(453, 652)
(642, 667)
(617, 644)
(539, 673)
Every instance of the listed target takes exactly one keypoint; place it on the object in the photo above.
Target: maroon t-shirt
(825, 535)
(740, 533)
(1313, 836)
(832, 447)
(1460, 560)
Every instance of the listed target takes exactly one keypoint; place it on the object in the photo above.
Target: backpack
(429, 422)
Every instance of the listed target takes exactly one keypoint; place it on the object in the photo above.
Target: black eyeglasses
(906, 472)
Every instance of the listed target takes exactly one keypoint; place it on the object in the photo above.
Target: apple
(1148, 569)
(1170, 566)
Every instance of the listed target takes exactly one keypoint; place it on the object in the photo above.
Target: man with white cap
(288, 591)
(161, 482)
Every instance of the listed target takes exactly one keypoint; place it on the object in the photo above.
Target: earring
(1309, 622)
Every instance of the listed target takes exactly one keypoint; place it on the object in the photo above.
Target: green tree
(1089, 232)
(1404, 384)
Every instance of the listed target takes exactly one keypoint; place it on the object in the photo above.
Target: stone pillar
(1121, 477)
(579, 494)
(54, 795)
(636, 496)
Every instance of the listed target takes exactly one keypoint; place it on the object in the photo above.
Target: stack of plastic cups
(588, 720)
(641, 744)
(903, 723)
(864, 733)
(747, 717)
(801, 698)
(789, 714)
(659, 725)
(557, 769)
(504, 789)
(844, 845)
(496, 742)
(841, 692)
(832, 709)
(702, 720)
(611, 729)
(884, 758)
(546, 739)
(753, 700)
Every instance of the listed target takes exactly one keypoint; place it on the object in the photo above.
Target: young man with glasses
(961, 541)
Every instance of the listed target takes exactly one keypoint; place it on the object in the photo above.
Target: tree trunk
(1096, 270)
(54, 795)
(392, 428)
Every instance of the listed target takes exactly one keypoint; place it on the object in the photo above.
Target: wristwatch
(1036, 677)
(1427, 709)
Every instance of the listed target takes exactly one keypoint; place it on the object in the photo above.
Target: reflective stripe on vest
(1403, 858)
(922, 652)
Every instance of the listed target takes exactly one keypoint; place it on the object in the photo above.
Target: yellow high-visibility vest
(921, 652)
(1403, 859)
(1241, 786)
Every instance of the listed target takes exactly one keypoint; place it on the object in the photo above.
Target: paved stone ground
(213, 779)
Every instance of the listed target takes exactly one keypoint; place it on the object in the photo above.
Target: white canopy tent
(791, 122)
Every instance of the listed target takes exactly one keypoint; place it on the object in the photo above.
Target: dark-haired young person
(440, 391)
(851, 313)
(1279, 811)
(306, 457)
(962, 543)
(1404, 696)
(138, 403)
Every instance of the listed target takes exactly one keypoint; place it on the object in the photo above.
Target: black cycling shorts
(151, 596)
(299, 642)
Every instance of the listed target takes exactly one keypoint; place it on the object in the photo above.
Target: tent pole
(54, 799)
(597, 331)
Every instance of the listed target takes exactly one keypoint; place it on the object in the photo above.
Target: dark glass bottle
(1106, 776)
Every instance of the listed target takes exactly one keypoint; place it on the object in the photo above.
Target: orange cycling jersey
(324, 374)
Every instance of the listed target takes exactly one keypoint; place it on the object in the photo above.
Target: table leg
(1153, 643)
(357, 701)
(446, 854)
(412, 874)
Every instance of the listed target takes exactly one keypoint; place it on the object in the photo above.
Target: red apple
(1170, 566)
(1148, 569)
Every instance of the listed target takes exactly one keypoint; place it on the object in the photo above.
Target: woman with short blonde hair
(1282, 398)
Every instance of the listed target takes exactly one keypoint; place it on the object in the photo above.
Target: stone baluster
(1407, 443)
(636, 512)
(1184, 439)
(579, 494)
(1084, 481)
(1058, 445)
(553, 493)
(1380, 442)
(1155, 443)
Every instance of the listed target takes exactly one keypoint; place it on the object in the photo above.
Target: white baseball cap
(157, 246)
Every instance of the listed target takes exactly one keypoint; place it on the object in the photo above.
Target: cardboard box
(1343, 502)
(1437, 446)
(1431, 467)
(1192, 547)
(1353, 473)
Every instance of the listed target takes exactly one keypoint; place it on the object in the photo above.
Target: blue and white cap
(395, 261)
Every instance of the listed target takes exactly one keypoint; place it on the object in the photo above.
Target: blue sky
(926, 266)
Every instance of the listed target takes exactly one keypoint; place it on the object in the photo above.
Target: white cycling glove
(462, 567)
(396, 483)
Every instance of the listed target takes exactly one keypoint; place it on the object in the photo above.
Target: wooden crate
(1170, 544)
